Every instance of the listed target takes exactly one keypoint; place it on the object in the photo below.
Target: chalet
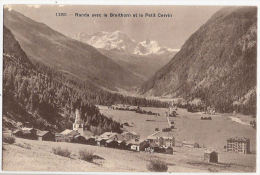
(27, 133)
(45, 136)
(111, 143)
(66, 136)
(134, 144)
(135, 147)
(101, 141)
(129, 135)
(111, 136)
(239, 145)
(143, 145)
(211, 156)
(121, 144)
(79, 139)
(160, 138)
(91, 141)
(18, 133)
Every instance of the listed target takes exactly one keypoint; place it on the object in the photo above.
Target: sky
(168, 31)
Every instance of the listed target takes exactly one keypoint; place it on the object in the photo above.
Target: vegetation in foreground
(157, 165)
(9, 139)
(61, 152)
(86, 155)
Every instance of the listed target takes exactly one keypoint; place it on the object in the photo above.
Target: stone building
(239, 145)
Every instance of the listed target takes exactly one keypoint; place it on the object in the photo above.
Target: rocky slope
(217, 63)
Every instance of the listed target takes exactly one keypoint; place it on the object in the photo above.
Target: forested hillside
(46, 99)
(47, 46)
(217, 64)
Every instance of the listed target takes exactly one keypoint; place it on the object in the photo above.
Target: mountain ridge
(120, 41)
(217, 63)
(50, 47)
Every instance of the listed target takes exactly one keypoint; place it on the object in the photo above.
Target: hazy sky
(171, 31)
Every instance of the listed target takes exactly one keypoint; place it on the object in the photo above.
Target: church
(79, 125)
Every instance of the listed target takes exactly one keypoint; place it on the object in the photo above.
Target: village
(162, 140)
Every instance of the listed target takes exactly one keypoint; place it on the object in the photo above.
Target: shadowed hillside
(216, 64)
(42, 44)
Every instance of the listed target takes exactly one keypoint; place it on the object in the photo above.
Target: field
(189, 127)
(210, 134)
(39, 157)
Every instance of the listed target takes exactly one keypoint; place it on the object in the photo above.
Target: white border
(130, 2)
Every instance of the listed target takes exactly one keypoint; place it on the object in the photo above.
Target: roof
(158, 134)
(109, 141)
(238, 139)
(121, 141)
(27, 129)
(133, 141)
(209, 151)
(42, 133)
(130, 132)
(107, 135)
(79, 136)
(16, 131)
(69, 132)
(99, 139)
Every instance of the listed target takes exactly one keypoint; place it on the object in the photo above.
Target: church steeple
(78, 125)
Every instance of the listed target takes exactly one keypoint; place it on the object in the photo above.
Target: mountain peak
(120, 41)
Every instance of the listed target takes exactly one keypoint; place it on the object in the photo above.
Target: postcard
(129, 88)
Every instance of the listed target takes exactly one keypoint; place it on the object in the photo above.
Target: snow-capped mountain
(120, 41)
(151, 47)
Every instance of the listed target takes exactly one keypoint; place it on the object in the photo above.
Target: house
(143, 145)
(135, 147)
(129, 135)
(169, 150)
(79, 139)
(111, 143)
(134, 144)
(160, 138)
(239, 145)
(121, 144)
(18, 133)
(111, 136)
(27, 133)
(91, 141)
(66, 136)
(45, 136)
(60, 138)
(101, 141)
(211, 156)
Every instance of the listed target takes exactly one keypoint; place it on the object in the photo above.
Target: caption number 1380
(61, 14)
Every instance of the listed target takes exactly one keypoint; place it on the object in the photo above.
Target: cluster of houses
(137, 109)
(160, 141)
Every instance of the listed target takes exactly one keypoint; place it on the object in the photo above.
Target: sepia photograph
(121, 88)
